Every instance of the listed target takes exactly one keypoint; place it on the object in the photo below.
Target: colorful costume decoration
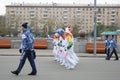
(64, 50)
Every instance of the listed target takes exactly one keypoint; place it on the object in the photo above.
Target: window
(99, 15)
(99, 19)
(103, 9)
(113, 12)
(45, 15)
(86, 9)
(90, 16)
(12, 11)
(65, 11)
(99, 10)
(65, 8)
(78, 16)
(78, 11)
(112, 19)
(112, 15)
(90, 9)
(78, 8)
(112, 23)
(45, 11)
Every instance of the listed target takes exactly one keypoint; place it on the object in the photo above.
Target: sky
(3, 3)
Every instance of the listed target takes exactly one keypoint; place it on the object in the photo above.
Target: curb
(92, 56)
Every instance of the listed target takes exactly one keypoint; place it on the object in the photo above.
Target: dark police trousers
(23, 58)
(107, 51)
(115, 52)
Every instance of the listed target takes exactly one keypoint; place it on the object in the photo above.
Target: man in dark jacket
(107, 47)
(26, 50)
(113, 46)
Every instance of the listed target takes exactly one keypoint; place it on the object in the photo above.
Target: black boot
(32, 73)
(116, 59)
(15, 72)
(107, 58)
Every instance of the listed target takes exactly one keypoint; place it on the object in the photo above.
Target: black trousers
(107, 52)
(115, 52)
(23, 58)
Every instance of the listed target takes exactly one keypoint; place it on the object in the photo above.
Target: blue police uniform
(113, 46)
(107, 46)
(27, 47)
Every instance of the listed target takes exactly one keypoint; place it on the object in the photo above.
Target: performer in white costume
(60, 31)
(56, 47)
(70, 59)
(72, 48)
(63, 48)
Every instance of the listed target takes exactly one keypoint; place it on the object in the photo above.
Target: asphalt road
(87, 69)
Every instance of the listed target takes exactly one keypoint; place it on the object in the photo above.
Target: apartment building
(40, 15)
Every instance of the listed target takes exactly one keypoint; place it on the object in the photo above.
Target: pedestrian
(113, 46)
(107, 47)
(56, 48)
(26, 50)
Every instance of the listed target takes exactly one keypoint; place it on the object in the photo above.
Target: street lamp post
(95, 28)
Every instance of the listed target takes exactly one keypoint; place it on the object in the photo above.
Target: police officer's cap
(25, 25)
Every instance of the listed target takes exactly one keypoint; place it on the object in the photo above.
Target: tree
(101, 28)
(118, 20)
(75, 30)
(51, 26)
(75, 27)
(2, 21)
(17, 25)
(3, 30)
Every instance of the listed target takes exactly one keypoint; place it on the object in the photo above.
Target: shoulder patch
(23, 36)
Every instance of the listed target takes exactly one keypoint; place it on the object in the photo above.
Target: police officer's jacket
(107, 43)
(113, 43)
(27, 42)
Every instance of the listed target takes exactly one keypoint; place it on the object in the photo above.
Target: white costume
(72, 59)
(64, 49)
(56, 47)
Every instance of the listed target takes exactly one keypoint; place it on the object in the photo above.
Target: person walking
(113, 46)
(107, 47)
(26, 50)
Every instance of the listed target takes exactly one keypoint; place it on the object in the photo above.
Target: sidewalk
(45, 53)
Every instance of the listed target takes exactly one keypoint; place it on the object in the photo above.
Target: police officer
(107, 47)
(113, 46)
(26, 50)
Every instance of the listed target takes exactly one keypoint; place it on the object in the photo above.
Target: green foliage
(50, 24)
(4, 32)
(101, 28)
(2, 21)
(75, 31)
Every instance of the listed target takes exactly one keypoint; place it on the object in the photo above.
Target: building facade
(56, 15)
